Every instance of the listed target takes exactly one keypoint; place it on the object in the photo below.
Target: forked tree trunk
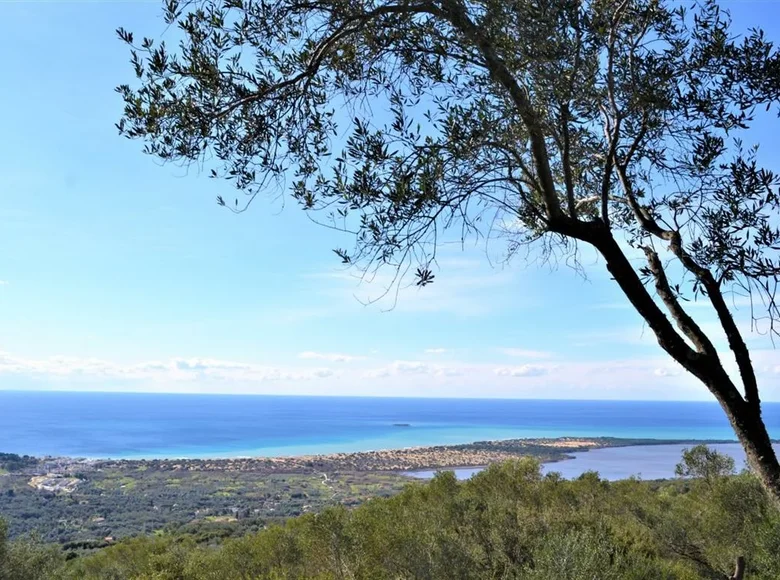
(744, 413)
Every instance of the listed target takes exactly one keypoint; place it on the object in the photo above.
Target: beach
(418, 461)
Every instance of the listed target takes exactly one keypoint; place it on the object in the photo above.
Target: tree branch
(734, 336)
(457, 15)
(684, 322)
(711, 286)
(739, 569)
(703, 366)
(612, 132)
(566, 161)
(623, 272)
(341, 32)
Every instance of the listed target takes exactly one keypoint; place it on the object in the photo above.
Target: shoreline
(87, 500)
(400, 460)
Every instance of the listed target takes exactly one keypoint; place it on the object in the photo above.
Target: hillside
(79, 503)
(507, 522)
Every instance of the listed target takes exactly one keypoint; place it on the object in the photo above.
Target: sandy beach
(390, 460)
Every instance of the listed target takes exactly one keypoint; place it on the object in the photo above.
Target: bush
(28, 558)
(507, 522)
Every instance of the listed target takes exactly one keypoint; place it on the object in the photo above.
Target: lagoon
(646, 462)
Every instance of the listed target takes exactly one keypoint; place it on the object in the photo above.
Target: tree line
(509, 521)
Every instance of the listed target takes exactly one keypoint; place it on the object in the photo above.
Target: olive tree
(705, 463)
(620, 125)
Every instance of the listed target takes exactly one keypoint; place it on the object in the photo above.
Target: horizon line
(367, 396)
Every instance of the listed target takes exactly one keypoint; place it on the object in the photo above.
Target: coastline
(408, 459)
(69, 499)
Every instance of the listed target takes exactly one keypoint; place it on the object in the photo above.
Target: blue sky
(119, 274)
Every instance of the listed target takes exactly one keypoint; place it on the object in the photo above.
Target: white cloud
(377, 373)
(175, 369)
(3, 282)
(634, 335)
(524, 353)
(666, 372)
(328, 356)
(449, 372)
(655, 377)
(522, 371)
(411, 367)
(208, 364)
(435, 350)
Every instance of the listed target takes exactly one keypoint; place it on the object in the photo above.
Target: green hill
(507, 522)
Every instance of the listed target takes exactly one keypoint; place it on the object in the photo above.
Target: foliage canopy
(529, 110)
(703, 462)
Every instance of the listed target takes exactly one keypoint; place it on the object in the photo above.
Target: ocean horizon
(145, 425)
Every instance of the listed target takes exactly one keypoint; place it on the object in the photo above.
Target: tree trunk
(739, 569)
(755, 440)
(744, 416)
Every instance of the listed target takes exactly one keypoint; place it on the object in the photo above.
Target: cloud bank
(639, 378)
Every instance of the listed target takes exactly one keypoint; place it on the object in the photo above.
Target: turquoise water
(125, 425)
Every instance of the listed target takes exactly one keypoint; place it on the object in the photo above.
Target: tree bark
(739, 569)
(752, 434)
(744, 415)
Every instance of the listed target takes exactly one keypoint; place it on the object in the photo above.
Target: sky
(119, 274)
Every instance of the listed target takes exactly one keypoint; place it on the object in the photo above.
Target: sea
(142, 425)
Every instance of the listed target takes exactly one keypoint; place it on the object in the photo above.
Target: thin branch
(684, 322)
(735, 339)
(734, 336)
(612, 132)
(566, 161)
(456, 13)
(323, 49)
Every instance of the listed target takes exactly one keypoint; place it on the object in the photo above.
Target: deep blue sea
(134, 425)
